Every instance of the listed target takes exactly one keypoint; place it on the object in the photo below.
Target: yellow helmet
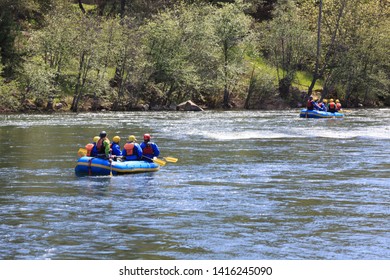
(325, 100)
(116, 139)
(132, 138)
(96, 138)
(331, 100)
(337, 101)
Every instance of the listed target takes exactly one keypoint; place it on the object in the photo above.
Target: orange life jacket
(129, 147)
(89, 148)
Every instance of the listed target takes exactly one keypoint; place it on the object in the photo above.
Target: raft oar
(156, 160)
(171, 159)
(82, 152)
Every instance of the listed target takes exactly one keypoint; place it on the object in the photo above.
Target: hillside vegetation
(152, 55)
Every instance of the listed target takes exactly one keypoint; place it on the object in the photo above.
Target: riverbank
(271, 102)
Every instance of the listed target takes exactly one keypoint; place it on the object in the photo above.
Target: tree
(289, 43)
(351, 49)
(336, 14)
(231, 27)
(168, 40)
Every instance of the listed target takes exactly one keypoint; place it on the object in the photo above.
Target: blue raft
(319, 114)
(98, 166)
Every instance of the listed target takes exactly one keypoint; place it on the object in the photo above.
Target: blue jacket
(137, 152)
(315, 105)
(150, 150)
(94, 151)
(116, 150)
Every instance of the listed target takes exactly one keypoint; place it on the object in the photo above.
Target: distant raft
(97, 166)
(319, 114)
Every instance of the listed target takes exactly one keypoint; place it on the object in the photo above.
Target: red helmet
(147, 137)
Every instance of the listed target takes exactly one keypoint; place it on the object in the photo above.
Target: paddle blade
(82, 152)
(171, 159)
(159, 161)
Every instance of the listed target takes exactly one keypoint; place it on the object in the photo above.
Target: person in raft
(149, 149)
(332, 106)
(338, 105)
(311, 104)
(115, 147)
(323, 106)
(132, 150)
(91, 147)
(103, 146)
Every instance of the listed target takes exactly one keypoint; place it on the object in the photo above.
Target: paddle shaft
(155, 160)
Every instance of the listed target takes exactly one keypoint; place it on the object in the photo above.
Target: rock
(188, 106)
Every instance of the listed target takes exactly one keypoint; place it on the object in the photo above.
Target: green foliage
(209, 51)
(288, 42)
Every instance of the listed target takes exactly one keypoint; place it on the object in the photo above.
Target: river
(247, 185)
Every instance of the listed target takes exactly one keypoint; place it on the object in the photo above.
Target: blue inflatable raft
(319, 114)
(97, 166)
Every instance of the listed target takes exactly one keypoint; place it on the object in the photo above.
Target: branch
(81, 7)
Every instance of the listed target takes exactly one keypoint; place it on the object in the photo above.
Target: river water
(248, 185)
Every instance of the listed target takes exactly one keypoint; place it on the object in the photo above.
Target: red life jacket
(89, 148)
(338, 106)
(129, 147)
(332, 107)
(309, 105)
(148, 150)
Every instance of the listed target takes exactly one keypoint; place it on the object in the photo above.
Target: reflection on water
(248, 185)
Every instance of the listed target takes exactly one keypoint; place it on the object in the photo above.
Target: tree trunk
(76, 97)
(225, 71)
(123, 8)
(250, 88)
(81, 7)
(318, 73)
(315, 73)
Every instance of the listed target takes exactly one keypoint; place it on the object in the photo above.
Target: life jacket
(148, 150)
(89, 148)
(310, 105)
(332, 107)
(129, 147)
(338, 106)
(100, 146)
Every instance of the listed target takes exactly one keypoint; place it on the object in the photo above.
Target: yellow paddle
(82, 152)
(171, 159)
(156, 160)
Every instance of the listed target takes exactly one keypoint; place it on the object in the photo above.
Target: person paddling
(332, 106)
(338, 105)
(115, 148)
(132, 150)
(149, 149)
(91, 147)
(311, 104)
(103, 146)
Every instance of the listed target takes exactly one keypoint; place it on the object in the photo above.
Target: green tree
(231, 27)
(289, 43)
(167, 38)
(352, 49)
